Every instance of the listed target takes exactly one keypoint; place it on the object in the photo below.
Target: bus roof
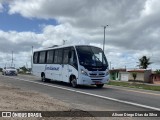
(61, 46)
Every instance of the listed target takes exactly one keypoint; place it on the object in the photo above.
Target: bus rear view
(93, 66)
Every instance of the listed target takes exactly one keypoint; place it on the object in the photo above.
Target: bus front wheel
(74, 82)
(100, 85)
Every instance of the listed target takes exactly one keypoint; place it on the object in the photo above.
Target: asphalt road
(90, 98)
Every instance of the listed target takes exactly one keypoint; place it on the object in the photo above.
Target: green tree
(0, 69)
(24, 69)
(158, 71)
(144, 62)
(134, 75)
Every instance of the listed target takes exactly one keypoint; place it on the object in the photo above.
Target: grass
(135, 85)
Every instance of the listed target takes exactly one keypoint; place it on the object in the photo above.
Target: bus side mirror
(69, 54)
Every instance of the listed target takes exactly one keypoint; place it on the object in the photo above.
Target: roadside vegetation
(24, 73)
(157, 71)
(135, 85)
(24, 70)
(134, 75)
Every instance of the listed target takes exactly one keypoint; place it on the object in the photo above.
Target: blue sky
(16, 22)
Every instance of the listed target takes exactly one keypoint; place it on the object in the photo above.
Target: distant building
(143, 75)
(155, 78)
(118, 74)
(124, 75)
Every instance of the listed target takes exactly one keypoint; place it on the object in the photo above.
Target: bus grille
(96, 75)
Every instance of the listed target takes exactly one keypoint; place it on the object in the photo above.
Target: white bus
(77, 65)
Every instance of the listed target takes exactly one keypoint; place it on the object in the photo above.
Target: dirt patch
(15, 99)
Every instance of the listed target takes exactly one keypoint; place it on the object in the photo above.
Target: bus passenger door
(65, 66)
(65, 76)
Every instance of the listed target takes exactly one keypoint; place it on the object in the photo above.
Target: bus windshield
(91, 56)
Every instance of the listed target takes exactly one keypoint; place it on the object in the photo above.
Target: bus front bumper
(86, 80)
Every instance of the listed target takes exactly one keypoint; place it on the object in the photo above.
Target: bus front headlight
(107, 72)
(84, 72)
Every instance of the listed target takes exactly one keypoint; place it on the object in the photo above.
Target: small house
(124, 76)
(115, 74)
(155, 78)
(142, 75)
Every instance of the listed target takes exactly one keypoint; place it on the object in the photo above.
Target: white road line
(90, 94)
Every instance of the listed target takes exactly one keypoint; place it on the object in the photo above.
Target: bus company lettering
(51, 68)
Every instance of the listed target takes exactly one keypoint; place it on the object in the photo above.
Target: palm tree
(144, 62)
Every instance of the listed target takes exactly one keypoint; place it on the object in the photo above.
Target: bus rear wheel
(100, 85)
(43, 78)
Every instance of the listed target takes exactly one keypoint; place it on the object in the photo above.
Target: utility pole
(32, 50)
(104, 36)
(110, 65)
(12, 59)
(26, 65)
(32, 59)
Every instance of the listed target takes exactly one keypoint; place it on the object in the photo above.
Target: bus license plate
(98, 82)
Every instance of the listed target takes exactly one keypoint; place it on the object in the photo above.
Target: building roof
(155, 74)
(118, 70)
(138, 70)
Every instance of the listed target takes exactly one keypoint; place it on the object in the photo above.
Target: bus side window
(66, 55)
(56, 57)
(60, 56)
(42, 57)
(50, 56)
(36, 58)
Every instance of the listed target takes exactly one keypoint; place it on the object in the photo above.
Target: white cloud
(133, 28)
(21, 42)
(80, 13)
(1, 7)
(151, 7)
(18, 41)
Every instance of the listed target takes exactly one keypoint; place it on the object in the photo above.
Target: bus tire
(43, 78)
(74, 82)
(100, 85)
